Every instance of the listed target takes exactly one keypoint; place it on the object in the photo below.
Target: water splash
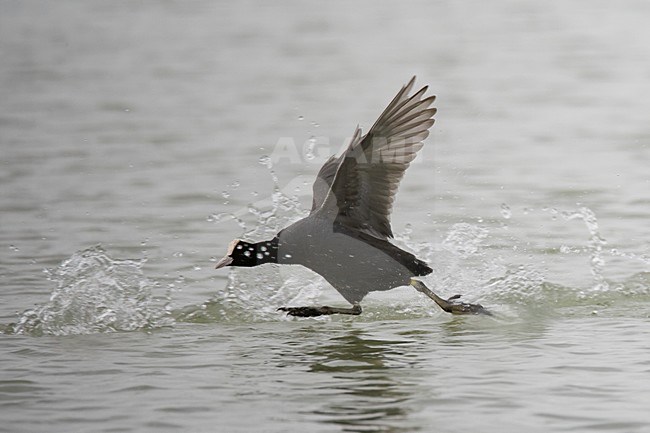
(521, 285)
(595, 245)
(94, 293)
(468, 264)
(643, 258)
(255, 293)
(506, 212)
(464, 262)
(309, 149)
(465, 239)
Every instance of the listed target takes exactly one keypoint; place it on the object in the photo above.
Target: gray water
(139, 138)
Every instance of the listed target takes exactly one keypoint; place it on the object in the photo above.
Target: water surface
(138, 139)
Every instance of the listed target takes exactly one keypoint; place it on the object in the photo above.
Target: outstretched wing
(363, 181)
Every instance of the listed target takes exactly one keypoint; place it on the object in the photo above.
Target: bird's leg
(320, 311)
(452, 305)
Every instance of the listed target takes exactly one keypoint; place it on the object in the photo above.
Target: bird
(346, 236)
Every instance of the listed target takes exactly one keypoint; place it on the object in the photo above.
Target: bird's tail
(419, 267)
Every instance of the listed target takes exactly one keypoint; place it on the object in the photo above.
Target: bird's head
(239, 253)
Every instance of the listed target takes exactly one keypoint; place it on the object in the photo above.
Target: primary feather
(358, 188)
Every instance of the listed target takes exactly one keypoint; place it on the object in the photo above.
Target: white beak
(224, 262)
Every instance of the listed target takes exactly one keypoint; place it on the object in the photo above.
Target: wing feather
(363, 181)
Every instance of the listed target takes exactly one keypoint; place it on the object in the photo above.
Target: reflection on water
(370, 396)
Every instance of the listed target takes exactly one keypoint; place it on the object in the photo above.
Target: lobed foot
(320, 311)
(452, 305)
(305, 311)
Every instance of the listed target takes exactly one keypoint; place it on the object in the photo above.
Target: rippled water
(138, 139)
